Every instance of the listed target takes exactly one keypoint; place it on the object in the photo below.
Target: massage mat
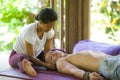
(43, 74)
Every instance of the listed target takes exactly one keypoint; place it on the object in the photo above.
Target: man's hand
(50, 66)
(95, 76)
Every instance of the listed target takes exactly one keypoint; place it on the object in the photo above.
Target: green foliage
(105, 20)
(13, 17)
(111, 9)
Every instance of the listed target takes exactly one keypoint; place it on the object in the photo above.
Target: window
(105, 21)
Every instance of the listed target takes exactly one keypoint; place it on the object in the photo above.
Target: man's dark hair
(47, 15)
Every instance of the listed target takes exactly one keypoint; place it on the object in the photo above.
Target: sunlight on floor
(4, 64)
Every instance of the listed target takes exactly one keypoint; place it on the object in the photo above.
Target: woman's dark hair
(55, 49)
(47, 15)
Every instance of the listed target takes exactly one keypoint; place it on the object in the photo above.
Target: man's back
(86, 60)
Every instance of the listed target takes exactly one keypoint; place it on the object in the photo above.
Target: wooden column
(77, 22)
(75, 26)
(85, 19)
(71, 24)
(62, 22)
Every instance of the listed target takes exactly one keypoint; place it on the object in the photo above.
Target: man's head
(52, 56)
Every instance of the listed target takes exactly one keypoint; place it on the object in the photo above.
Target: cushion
(109, 49)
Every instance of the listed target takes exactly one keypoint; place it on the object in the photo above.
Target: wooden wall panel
(71, 24)
(77, 22)
(85, 19)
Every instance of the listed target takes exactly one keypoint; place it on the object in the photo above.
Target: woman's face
(47, 26)
(52, 56)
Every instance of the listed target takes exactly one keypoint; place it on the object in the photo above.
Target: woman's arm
(48, 45)
(30, 54)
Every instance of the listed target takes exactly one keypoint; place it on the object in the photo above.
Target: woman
(30, 42)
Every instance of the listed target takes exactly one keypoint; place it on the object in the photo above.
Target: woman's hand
(95, 76)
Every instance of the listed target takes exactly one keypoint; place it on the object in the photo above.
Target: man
(78, 64)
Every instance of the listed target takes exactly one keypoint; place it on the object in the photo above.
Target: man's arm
(67, 68)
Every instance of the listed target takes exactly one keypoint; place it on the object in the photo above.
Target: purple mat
(43, 74)
(14, 73)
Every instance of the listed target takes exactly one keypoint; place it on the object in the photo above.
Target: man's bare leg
(28, 69)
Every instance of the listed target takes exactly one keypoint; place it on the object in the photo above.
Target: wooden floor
(4, 65)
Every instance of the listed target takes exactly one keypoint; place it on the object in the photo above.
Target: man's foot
(28, 69)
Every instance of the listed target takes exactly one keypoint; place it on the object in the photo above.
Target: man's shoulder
(60, 61)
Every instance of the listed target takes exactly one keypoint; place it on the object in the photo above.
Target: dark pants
(15, 59)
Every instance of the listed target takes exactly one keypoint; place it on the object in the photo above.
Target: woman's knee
(16, 59)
